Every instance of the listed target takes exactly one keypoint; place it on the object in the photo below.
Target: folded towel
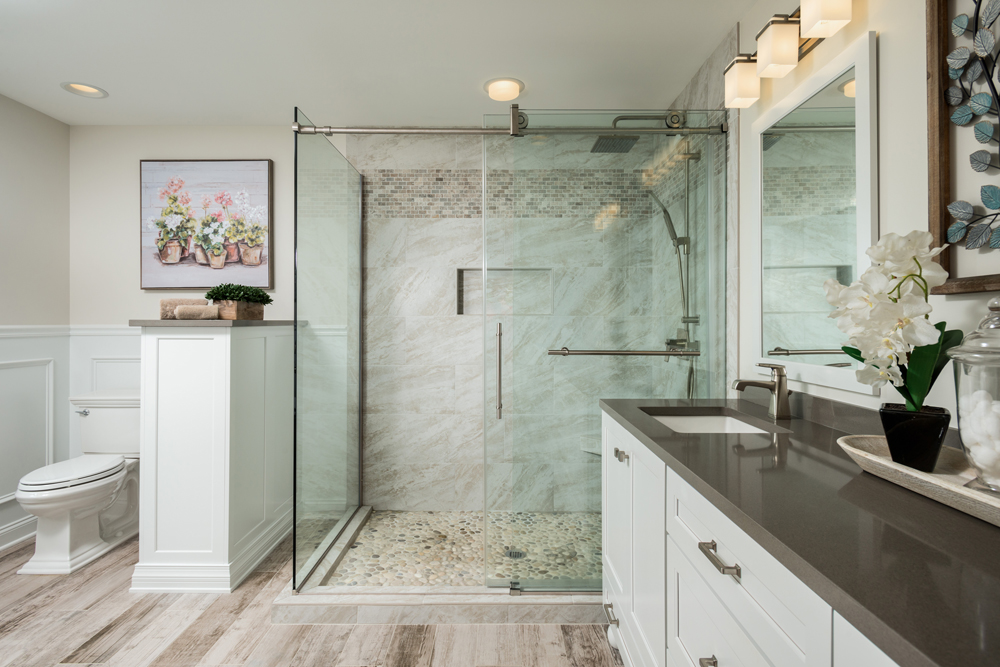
(168, 306)
(197, 312)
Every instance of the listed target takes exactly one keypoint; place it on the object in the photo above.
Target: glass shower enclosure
(596, 248)
(328, 340)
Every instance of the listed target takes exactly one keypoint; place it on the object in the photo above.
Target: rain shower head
(614, 144)
(667, 219)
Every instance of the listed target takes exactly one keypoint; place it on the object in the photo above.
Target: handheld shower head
(667, 219)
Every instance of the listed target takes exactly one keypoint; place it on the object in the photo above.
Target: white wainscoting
(34, 373)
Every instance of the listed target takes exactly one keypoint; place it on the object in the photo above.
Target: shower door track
(515, 130)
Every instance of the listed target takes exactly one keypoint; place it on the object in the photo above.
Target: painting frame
(939, 163)
(265, 276)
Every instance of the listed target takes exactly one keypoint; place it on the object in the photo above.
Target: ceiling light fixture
(742, 82)
(824, 18)
(850, 88)
(503, 90)
(778, 47)
(84, 90)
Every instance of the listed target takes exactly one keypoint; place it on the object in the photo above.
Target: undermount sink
(706, 424)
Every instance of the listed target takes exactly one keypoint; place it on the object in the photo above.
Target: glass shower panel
(579, 256)
(327, 347)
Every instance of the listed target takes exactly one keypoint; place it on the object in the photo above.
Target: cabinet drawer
(789, 623)
(700, 626)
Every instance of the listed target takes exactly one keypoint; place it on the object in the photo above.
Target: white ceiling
(366, 62)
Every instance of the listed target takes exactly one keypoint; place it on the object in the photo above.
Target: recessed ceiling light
(850, 89)
(84, 90)
(503, 90)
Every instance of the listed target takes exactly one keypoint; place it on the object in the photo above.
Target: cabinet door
(649, 554)
(617, 515)
(851, 648)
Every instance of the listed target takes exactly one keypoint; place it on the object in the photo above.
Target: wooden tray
(947, 484)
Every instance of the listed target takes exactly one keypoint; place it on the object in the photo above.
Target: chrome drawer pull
(708, 662)
(621, 455)
(610, 616)
(709, 549)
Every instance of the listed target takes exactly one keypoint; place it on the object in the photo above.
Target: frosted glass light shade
(823, 18)
(851, 88)
(777, 50)
(742, 84)
(504, 90)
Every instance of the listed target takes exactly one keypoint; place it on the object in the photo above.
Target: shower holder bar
(566, 352)
(782, 352)
(514, 130)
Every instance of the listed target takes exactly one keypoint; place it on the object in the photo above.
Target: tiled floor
(446, 549)
(91, 618)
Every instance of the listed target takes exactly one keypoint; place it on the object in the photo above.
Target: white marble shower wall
(423, 404)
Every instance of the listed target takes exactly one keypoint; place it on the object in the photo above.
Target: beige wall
(901, 28)
(104, 211)
(34, 216)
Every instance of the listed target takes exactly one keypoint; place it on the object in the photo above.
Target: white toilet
(87, 505)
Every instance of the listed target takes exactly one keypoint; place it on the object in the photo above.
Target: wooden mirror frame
(939, 150)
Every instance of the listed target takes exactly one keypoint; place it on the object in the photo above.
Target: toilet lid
(76, 471)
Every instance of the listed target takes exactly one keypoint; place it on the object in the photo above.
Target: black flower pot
(914, 438)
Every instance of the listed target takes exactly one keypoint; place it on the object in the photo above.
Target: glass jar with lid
(977, 382)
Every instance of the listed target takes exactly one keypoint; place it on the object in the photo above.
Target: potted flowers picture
(886, 314)
(205, 222)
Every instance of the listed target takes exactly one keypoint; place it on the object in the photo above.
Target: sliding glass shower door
(327, 347)
(579, 256)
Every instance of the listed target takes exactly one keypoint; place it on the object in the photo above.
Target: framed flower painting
(205, 222)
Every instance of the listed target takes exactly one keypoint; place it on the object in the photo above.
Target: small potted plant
(886, 314)
(239, 302)
(252, 246)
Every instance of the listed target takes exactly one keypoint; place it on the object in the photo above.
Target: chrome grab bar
(710, 550)
(499, 370)
(566, 352)
(609, 615)
(782, 352)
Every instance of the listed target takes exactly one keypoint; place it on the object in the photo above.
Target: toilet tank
(109, 421)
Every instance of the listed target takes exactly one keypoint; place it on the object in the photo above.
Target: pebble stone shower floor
(397, 548)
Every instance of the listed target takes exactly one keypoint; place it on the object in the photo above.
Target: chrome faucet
(778, 386)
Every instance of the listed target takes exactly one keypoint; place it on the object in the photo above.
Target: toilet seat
(74, 472)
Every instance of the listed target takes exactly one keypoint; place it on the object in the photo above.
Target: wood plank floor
(90, 618)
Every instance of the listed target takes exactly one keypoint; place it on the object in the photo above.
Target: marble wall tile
(436, 242)
(499, 486)
(385, 341)
(417, 486)
(797, 289)
(531, 337)
(469, 481)
(385, 242)
(396, 439)
(402, 151)
(589, 291)
(410, 291)
(410, 390)
(556, 613)
(455, 339)
(547, 242)
(706, 89)
(469, 389)
(531, 388)
(533, 487)
(578, 485)
(551, 438)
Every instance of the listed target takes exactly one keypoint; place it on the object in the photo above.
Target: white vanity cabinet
(635, 546)
(689, 588)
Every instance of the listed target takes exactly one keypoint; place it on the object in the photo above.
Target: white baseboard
(154, 578)
(16, 532)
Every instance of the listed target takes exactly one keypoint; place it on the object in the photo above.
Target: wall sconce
(742, 82)
(778, 47)
(823, 18)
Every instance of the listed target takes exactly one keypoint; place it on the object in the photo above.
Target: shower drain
(514, 553)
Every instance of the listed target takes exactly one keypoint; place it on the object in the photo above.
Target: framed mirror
(815, 155)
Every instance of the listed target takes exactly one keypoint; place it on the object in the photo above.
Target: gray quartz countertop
(919, 579)
(211, 323)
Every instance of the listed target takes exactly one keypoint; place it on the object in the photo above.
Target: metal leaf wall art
(977, 76)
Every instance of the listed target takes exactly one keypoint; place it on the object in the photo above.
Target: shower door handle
(499, 370)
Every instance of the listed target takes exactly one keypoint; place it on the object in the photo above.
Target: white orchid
(879, 372)
(885, 312)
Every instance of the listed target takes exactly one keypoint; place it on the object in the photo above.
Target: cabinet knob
(621, 455)
(708, 662)
(83, 412)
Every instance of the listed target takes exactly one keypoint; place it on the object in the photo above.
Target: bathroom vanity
(732, 540)
(216, 449)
